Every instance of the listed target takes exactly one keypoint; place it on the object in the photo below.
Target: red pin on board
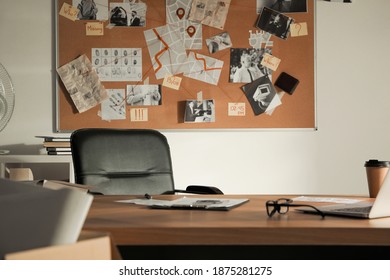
(180, 13)
(191, 30)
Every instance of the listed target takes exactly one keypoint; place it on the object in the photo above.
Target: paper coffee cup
(376, 172)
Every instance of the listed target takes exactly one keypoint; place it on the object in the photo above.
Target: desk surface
(247, 224)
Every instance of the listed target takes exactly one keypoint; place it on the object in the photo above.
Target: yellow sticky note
(236, 109)
(94, 29)
(298, 29)
(69, 11)
(271, 62)
(139, 115)
(172, 82)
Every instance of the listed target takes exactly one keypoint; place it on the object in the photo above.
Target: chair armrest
(203, 189)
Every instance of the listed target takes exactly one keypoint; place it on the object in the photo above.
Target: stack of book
(56, 145)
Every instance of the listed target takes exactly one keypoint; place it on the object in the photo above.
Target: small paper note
(298, 29)
(172, 82)
(271, 62)
(236, 109)
(94, 29)
(69, 11)
(139, 115)
(199, 97)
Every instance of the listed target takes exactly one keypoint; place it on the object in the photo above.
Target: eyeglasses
(282, 205)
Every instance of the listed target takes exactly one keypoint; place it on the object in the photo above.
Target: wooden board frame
(298, 54)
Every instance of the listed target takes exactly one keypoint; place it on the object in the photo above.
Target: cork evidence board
(138, 60)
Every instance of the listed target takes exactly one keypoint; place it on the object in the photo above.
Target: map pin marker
(191, 30)
(180, 13)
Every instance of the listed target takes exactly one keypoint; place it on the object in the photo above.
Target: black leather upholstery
(128, 161)
(125, 161)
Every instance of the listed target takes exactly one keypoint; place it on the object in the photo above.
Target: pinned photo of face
(128, 14)
(275, 23)
(91, 9)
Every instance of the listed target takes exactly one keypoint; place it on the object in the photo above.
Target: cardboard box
(90, 246)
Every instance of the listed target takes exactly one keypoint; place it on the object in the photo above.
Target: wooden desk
(246, 225)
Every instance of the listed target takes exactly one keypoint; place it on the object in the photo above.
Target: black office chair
(126, 161)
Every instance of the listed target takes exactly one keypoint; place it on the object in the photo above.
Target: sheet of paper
(177, 10)
(298, 29)
(118, 64)
(172, 82)
(326, 199)
(203, 68)
(236, 109)
(139, 115)
(94, 29)
(69, 12)
(270, 61)
(188, 202)
(144, 201)
(82, 83)
(275, 102)
(210, 12)
(166, 50)
(191, 33)
(279, 102)
(114, 108)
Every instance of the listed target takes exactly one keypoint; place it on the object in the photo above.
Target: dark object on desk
(125, 162)
(287, 83)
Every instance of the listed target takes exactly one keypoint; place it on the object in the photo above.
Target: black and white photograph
(219, 42)
(275, 23)
(245, 64)
(144, 95)
(128, 14)
(91, 9)
(259, 94)
(283, 6)
(199, 111)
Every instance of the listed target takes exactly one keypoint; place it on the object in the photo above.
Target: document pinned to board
(206, 203)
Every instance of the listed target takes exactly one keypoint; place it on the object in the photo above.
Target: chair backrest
(122, 161)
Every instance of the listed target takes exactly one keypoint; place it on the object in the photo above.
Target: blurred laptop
(368, 210)
(33, 217)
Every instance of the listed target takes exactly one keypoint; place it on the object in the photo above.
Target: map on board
(203, 68)
(166, 50)
(191, 32)
(177, 10)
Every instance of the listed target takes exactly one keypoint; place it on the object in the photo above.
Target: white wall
(353, 105)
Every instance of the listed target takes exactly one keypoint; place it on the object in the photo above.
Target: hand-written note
(69, 11)
(94, 29)
(298, 29)
(270, 61)
(172, 82)
(139, 115)
(236, 109)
